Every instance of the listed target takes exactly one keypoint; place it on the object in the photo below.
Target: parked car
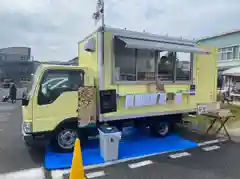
(6, 83)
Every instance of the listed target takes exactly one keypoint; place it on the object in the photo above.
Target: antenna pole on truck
(99, 15)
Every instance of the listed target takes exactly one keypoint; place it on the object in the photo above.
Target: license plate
(202, 109)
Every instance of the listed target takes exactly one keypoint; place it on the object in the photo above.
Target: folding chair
(221, 116)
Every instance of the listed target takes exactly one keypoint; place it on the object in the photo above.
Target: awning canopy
(232, 72)
(161, 46)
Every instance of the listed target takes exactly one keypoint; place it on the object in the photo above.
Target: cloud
(52, 28)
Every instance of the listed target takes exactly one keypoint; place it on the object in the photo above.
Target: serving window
(146, 64)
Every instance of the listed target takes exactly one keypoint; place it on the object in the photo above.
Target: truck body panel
(49, 116)
(204, 77)
(205, 71)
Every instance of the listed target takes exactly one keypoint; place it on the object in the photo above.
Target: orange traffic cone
(77, 169)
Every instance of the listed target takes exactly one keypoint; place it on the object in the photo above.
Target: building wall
(16, 50)
(16, 64)
(229, 49)
(223, 41)
(15, 54)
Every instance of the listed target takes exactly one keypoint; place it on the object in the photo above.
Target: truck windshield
(32, 84)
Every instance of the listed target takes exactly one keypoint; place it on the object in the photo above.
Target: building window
(146, 65)
(229, 53)
(236, 52)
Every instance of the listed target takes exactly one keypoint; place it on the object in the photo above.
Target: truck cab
(50, 108)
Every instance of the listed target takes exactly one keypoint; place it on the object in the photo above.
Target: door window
(55, 82)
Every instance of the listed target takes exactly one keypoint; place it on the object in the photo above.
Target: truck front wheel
(65, 137)
(160, 128)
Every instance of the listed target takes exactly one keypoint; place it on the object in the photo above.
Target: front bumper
(36, 139)
(28, 139)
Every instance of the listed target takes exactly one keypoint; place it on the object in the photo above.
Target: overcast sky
(52, 28)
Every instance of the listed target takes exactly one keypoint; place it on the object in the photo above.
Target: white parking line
(210, 148)
(211, 142)
(140, 164)
(95, 174)
(59, 173)
(179, 155)
(120, 161)
(39, 173)
(141, 157)
(34, 173)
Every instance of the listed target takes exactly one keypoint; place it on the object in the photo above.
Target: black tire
(160, 128)
(138, 124)
(64, 144)
(117, 124)
(119, 127)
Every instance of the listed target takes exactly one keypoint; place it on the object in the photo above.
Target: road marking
(59, 173)
(144, 156)
(179, 155)
(120, 161)
(211, 142)
(95, 174)
(140, 164)
(39, 173)
(210, 148)
(34, 173)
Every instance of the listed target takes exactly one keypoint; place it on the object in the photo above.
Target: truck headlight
(27, 127)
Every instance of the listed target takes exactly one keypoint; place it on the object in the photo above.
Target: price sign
(202, 109)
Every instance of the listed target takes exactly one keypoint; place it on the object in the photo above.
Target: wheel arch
(68, 121)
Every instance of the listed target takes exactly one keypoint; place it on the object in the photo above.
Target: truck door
(206, 76)
(56, 98)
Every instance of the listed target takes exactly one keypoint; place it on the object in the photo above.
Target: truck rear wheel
(65, 137)
(160, 128)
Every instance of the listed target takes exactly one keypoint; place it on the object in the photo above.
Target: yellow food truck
(123, 78)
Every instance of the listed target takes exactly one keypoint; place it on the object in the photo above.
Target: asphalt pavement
(5, 92)
(216, 161)
(14, 155)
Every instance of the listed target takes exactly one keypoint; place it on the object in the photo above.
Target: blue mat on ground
(134, 143)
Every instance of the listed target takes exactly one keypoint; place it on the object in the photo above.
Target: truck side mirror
(25, 101)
